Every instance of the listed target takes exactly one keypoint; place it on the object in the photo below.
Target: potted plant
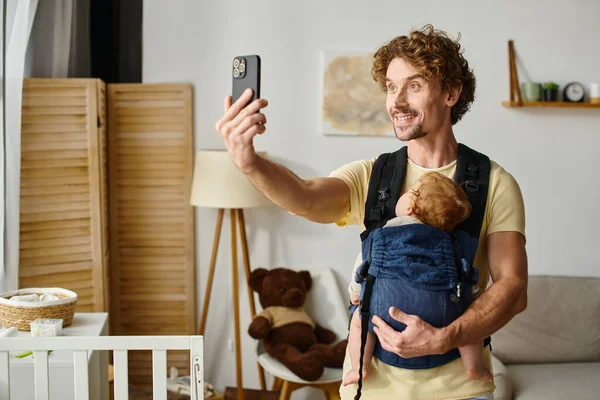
(550, 91)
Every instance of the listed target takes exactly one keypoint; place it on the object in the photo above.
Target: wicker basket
(20, 313)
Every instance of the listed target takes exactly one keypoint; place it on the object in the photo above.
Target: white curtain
(19, 20)
(49, 39)
(59, 42)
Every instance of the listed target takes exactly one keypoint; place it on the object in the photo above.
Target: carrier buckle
(384, 194)
(472, 186)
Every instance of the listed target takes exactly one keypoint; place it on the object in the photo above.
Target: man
(429, 88)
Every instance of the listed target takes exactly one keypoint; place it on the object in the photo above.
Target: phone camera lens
(242, 67)
(236, 63)
(236, 72)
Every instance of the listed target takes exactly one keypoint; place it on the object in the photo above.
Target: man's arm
(504, 299)
(324, 200)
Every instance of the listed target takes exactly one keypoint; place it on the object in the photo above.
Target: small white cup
(594, 93)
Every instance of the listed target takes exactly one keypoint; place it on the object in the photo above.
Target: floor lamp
(218, 183)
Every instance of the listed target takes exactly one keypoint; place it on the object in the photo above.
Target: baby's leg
(354, 350)
(472, 357)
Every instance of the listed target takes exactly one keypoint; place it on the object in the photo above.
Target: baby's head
(435, 200)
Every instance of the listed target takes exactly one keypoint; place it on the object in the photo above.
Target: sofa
(552, 349)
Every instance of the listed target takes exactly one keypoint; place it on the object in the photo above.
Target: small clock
(574, 92)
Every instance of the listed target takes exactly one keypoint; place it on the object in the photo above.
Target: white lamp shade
(218, 183)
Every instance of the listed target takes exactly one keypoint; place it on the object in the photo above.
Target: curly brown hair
(436, 56)
(440, 202)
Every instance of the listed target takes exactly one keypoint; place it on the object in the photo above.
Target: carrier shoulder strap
(385, 184)
(473, 174)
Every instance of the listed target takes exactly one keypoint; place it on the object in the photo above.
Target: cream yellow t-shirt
(504, 212)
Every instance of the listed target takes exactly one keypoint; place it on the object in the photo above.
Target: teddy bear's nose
(293, 298)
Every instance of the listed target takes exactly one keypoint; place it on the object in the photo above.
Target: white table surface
(83, 324)
(60, 364)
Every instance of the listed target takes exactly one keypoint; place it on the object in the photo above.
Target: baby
(437, 201)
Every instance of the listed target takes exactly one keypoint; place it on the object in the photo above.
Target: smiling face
(417, 107)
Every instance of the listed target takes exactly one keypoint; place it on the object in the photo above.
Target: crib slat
(159, 374)
(80, 374)
(121, 375)
(4, 376)
(40, 367)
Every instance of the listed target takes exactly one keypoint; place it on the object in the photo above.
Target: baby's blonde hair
(440, 202)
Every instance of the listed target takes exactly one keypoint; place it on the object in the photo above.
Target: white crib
(119, 345)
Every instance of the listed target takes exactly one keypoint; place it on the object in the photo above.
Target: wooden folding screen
(64, 205)
(152, 246)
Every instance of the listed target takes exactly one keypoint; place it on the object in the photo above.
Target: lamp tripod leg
(236, 306)
(211, 273)
(242, 224)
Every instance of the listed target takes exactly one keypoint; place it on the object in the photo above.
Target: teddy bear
(288, 333)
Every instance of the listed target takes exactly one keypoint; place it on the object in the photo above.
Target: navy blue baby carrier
(434, 268)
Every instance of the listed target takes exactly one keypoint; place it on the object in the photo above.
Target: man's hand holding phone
(238, 126)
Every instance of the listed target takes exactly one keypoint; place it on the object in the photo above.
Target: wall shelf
(516, 98)
(558, 104)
